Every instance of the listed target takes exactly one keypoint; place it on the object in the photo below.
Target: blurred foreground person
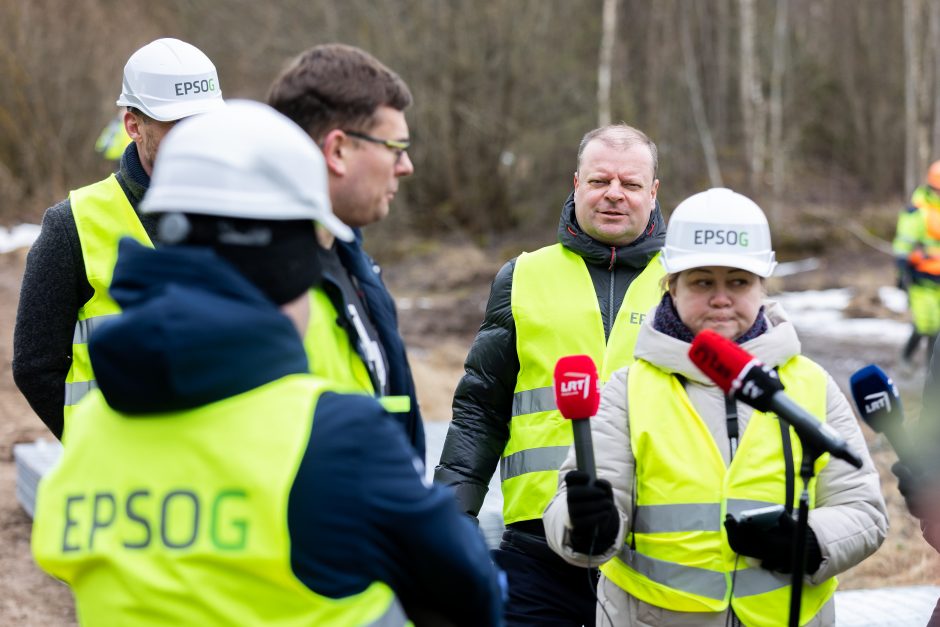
(917, 253)
(211, 480)
(919, 475)
(64, 294)
(353, 107)
(586, 294)
(670, 463)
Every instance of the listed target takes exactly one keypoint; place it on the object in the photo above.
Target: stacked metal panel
(33, 460)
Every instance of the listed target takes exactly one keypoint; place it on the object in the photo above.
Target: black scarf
(666, 320)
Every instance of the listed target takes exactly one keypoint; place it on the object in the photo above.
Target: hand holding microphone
(594, 517)
(879, 404)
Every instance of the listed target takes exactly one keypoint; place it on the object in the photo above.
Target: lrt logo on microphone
(576, 384)
(877, 401)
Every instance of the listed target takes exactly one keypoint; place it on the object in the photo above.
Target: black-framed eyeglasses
(397, 146)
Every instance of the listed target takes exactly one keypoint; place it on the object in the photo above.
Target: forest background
(825, 111)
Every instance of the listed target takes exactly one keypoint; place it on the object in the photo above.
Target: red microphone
(577, 396)
(738, 372)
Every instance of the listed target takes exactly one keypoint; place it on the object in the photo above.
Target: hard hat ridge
(243, 161)
(169, 79)
(718, 227)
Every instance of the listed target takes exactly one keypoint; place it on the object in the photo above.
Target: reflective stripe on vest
(103, 215)
(332, 356)
(135, 511)
(681, 559)
(549, 325)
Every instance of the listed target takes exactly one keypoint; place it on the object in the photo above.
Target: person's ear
(132, 125)
(335, 147)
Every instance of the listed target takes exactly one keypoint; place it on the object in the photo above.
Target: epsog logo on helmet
(720, 237)
(169, 80)
(195, 87)
(718, 227)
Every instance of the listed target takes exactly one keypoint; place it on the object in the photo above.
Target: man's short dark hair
(621, 137)
(336, 86)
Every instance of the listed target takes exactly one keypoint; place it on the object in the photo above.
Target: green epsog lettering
(720, 237)
(177, 520)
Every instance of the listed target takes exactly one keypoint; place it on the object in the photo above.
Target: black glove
(771, 541)
(594, 517)
(905, 276)
(909, 484)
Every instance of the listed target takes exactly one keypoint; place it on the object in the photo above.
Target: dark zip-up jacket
(359, 509)
(482, 405)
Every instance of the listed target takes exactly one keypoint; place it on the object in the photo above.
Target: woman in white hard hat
(670, 464)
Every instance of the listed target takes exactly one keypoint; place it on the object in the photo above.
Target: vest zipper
(610, 293)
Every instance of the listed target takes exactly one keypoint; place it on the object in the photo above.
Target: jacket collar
(636, 254)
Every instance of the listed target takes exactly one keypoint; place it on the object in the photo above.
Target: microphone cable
(595, 583)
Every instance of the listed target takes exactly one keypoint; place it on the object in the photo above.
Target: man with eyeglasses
(917, 252)
(353, 107)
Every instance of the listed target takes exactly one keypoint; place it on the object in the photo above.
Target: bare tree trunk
(698, 106)
(752, 97)
(605, 62)
(934, 39)
(911, 76)
(777, 153)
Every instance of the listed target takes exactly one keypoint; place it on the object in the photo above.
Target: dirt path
(442, 298)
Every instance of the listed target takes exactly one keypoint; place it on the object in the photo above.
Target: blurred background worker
(917, 252)
(354, 109)
(211, 479)
(586, 294)
(114, 139)
(64, 295)
(668, 432)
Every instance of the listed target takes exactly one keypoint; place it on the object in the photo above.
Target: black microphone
(879, 405)
(736, 371)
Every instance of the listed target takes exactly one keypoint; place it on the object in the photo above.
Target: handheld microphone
(577, 396)
(879, 405)
(738, 372)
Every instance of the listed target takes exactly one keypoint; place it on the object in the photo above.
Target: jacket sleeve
(850, 520)
(482, 404)
(50, 296)
(610, 434)
(361, 510)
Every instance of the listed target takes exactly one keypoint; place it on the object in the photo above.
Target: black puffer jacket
(483, 400)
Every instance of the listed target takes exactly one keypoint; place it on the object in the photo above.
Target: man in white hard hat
(353, 107)
(64, 294)
(211, 480)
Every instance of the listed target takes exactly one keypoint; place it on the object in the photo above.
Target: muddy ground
(442, 293)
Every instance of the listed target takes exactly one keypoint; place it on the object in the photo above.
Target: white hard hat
(718, 227)
(169, 79)
(243, 161)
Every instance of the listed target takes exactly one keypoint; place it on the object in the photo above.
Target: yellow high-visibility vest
(682, 560)
(556, 313)
(186, 521)
(103, 215)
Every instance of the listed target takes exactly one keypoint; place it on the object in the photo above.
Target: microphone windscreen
(877, 398)
(577, 389)
(719, 358)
